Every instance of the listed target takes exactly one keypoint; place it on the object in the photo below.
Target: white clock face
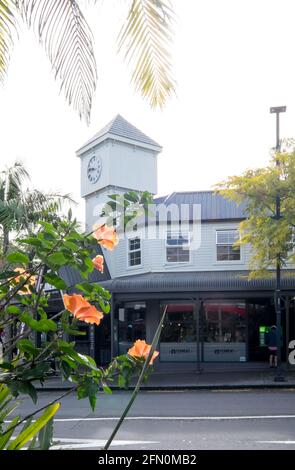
(94, 169)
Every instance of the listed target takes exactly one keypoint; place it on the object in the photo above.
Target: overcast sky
(233, 59)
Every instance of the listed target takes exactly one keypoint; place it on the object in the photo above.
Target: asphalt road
(185, 420)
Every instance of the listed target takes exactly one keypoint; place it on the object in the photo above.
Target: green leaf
(89, 389)
(18, 257)
(48, 227)
(12, 309)
(25, 345)
(121, 381)
(57, 259)
(65, 369)
(41, 325)
(34, 241)
(107, 389)
(37, 372)
(132, 196)
(85, 287)
(92, 401)
(29, 389)
(71, 246)
(45, 436)
(26, 435)
(55, 281)
(6, 365)
(5, 438)
(105, 307)
(32, 445)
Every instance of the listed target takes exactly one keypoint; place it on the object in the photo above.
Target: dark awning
(198, 281)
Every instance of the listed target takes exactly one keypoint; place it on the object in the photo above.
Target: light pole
(279, 377)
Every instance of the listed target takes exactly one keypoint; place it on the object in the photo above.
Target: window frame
(183, 246)
(129, 265)
(239, 250)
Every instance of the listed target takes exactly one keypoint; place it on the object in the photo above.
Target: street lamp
(277, 298)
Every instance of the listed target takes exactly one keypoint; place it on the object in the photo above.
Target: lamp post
(279, 377)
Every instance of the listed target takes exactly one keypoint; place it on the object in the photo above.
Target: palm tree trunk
(5, 241)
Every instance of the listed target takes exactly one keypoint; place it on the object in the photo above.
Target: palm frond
(11, 180)
(67, 39)
(7, 28)
(11, 212)
(145, 38)
(39, 201)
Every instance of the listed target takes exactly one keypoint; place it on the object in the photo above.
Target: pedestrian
(272, 346)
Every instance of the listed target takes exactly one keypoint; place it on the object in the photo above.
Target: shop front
(217, 334)
(208, 330)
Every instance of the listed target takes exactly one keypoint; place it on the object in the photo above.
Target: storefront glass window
(131, 324)
(178, 337)
(224, 327)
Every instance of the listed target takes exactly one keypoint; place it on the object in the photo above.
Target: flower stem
(139, 382)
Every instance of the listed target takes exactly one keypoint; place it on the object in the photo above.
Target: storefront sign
(223, 352)
(177, 352)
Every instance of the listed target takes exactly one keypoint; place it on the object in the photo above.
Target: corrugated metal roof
(198, 281)
(120, 127)
(213, 205)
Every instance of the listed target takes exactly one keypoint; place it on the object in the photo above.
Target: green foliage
(257, 191)
(127, 210)
(24, 315)
(41, 428)
(146, 34)
(20, 258)
(55, 281)
(30, 431)
(64, 33)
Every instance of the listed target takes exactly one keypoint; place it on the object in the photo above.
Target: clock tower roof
(120, 129)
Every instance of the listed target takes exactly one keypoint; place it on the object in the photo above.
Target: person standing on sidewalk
(272, 346)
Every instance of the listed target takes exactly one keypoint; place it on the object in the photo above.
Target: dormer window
(225, 240)
(134, 251)
(177, 247)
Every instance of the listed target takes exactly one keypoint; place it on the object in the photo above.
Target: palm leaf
(30, 431)
(145, 37)
(67, 39)
(7, 27)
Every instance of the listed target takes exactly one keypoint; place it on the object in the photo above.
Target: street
(201, 420)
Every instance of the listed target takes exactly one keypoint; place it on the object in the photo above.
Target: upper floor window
(134, 251)
(177, 247)
(225, 240)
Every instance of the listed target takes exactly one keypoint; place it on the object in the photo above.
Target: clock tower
(117, 159)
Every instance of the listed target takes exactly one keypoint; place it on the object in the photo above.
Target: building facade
(214, 313)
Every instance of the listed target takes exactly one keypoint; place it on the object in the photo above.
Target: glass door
(224, 331)
(178, 337)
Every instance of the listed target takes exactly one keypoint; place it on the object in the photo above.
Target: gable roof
(121, 128)
(213, 206)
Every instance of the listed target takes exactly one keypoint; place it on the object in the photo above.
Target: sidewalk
(186, 377)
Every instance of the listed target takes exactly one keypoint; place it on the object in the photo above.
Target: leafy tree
(21, 209)
(256, 190)
(67, 39)
(23, 305)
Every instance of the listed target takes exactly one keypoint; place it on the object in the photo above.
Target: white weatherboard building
(214, 313)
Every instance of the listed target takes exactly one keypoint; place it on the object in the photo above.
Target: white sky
(233, 59)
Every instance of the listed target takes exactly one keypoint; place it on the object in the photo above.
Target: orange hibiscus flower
(21, 278)
(98, 263)
(82, 309)
(106, 236)
(141, 349)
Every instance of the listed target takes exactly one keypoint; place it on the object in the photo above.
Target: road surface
(188, 420)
